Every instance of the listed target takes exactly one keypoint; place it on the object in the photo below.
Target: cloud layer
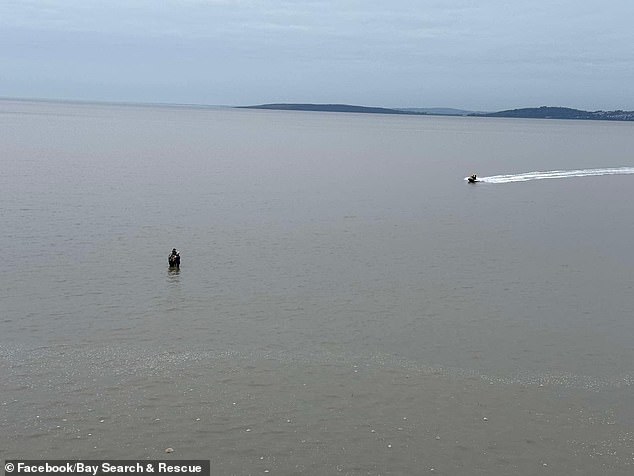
(486, 54)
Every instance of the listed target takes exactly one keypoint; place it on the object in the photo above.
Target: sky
(471, 54)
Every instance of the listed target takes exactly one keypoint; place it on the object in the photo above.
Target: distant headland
(333, 108)
(544, 112)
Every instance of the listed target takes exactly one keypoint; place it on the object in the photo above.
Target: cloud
(388, 45)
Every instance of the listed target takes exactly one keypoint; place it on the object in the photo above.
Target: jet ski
(472, 179)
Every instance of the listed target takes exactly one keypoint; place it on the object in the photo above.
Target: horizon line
(204, 105)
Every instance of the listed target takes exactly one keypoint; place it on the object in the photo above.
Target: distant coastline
(333, 108)
(546, 112)
(543, 112)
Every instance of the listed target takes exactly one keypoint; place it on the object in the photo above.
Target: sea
(347, 303)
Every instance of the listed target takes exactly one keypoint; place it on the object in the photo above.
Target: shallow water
(312, 243)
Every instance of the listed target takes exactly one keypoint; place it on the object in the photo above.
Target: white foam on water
(555, 174)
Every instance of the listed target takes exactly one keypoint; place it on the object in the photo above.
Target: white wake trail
(555, 174)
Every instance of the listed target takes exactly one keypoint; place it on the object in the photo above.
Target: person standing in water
(174, 259)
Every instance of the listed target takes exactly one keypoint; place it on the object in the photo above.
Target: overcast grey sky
(474, 54)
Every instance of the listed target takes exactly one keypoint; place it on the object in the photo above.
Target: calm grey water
(309, 241)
